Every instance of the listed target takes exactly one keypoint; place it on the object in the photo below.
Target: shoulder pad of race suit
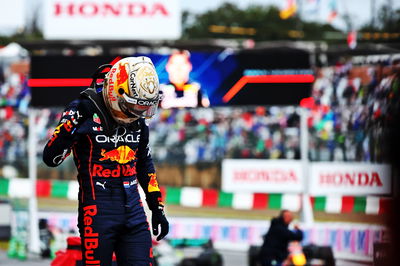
(98, 105)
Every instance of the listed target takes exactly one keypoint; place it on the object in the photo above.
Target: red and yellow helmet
(132, 90)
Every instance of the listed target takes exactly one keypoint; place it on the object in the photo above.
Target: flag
(352, 39)
(332, 10)
(290, 9)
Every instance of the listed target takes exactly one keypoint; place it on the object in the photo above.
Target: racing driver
(106, 131)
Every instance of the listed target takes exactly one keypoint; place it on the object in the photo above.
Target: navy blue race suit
(111, 160)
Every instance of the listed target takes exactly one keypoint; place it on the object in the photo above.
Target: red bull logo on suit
(120, 170)
(122, 154)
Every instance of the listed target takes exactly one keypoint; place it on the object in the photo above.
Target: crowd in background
(353, 105)
(350, 107)
(14, 101)
(208, 135)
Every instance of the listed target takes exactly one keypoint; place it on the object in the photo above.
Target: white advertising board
(263, 176)
(350, 179)
(112, 19)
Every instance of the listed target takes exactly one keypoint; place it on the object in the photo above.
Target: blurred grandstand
(352, 104)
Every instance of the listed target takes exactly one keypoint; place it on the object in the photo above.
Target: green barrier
(275, 201)
(173, 196)
(59, 189)
(319, 203)
(360, 204)
(225, 199)
(4, 185)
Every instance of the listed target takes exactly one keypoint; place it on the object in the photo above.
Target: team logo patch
(96, 119)
(128, 184)
(122, 155)
(153, 184)
(97, 128)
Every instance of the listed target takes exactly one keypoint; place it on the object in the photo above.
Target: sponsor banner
(264, 176)
(112, 19)
(350, 178)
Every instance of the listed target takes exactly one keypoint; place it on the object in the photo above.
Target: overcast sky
(359, 10)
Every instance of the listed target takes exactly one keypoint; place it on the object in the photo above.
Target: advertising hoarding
(350, 178)
(285, 176)
(112, 20)
(263, 176)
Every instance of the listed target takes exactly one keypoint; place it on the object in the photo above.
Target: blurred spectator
(353, 105)
(276, 242)
(14, 100)
(46, 236)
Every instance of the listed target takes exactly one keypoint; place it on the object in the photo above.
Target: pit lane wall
(195, 197)
(348, 240)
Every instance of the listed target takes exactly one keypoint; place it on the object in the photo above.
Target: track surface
(231, 258)
(62, 205)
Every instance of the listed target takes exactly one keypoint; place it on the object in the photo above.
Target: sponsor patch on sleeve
(153, 184)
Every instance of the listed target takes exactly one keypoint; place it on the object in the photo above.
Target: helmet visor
(139, 107)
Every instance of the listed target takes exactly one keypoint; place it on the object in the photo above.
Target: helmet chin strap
(131, 117)
(121, 121)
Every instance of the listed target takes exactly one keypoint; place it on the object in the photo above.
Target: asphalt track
(231, 258)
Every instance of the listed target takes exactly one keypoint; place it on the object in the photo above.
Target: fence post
(34, 241)
(307, 215)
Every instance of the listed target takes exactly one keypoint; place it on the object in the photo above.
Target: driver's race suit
(111, 160)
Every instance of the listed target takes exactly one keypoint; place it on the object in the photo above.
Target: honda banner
(112, 19)
(264, 176)
(350, 178)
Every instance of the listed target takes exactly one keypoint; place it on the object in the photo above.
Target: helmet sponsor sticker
(122, 78)
(147, 79)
